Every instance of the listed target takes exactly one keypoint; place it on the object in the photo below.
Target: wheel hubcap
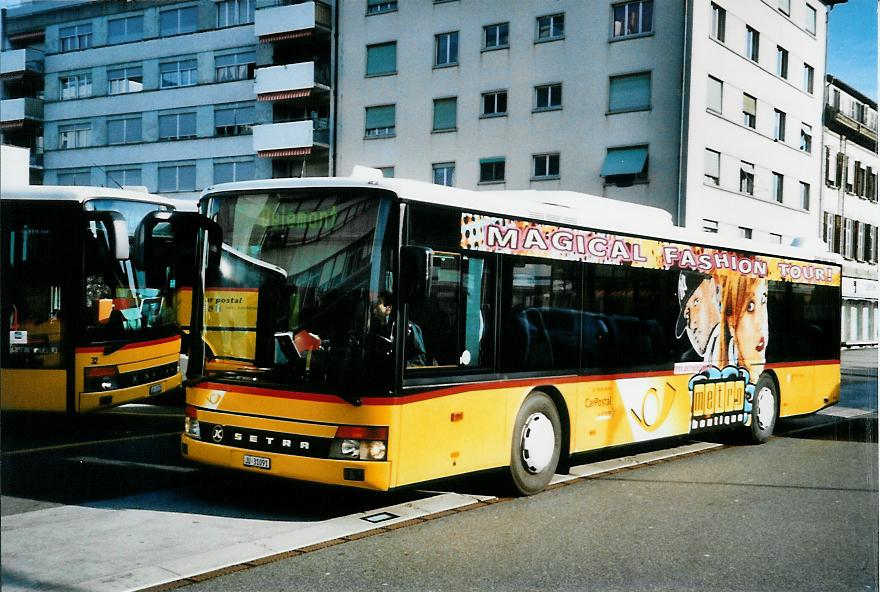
(764, 410)
(537, 443)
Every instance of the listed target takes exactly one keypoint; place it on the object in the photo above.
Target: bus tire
(537, 444)
(765, 410)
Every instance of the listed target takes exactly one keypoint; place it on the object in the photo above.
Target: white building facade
(850, 212)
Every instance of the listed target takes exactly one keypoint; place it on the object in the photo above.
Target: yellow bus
(83, 326)
(425, 331)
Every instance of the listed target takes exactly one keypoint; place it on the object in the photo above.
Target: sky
(852, 45)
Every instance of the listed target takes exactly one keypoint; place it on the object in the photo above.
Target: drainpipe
(683, 127)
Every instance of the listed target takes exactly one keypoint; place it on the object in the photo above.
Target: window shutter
(750, 104)
(838, 173)
(382, 59)
(713, 163)
(444, 114)
(630, 92)
(380, 116)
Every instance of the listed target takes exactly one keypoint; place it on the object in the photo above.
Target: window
(75, 37)
(629, 93)
(747, 178)
(124, 131)
(848, 244)
(713, 167)
(445, 114)
(779, 126)
(808, 78)
(551, 27)
(805, 195)
(750, 107)
(632, 18)
(382, 59)
(178, 20)
(234, 121)
(387, 172)
(781, 62)
(778, 186)
(380, 6)
(446, 49)
(125, 29)
(380, 121)
(75, 135)
(234, 12)
(124, 178)
(548, 96)
(810, 24)
(177, 178)
(180, 73)
(496, 36)
(127, 79)
(236, 66)
(623, 166)
(492, 170)
(495, 103)
(745, 232)
(79, 178)
(806, 138)
(226, 172)
(785, 6)
(75, 86)
(710, 226)
(177, 126)
(776, 238)
(444, 173)
(753, 40)
(719, 22)
(545, 166)
(714, 94)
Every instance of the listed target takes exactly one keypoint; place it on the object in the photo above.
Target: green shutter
(382, 59)
(380, 116)
(630, 92)
(445, 113)
(624, 161)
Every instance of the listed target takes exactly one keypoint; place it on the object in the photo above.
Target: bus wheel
(764, 410)
(537, 443)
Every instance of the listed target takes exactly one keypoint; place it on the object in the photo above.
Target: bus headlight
(190, 424)
(100, 378)
(360, 443)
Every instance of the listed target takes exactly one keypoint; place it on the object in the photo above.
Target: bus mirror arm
(416, 273)
(117, 232)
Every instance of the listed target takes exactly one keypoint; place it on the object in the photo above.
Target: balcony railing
(276, 23)
(840, 122)
(16, 111)
(292, 138)
(14, 62)
(290, 80)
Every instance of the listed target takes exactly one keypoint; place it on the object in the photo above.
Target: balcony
(290, 81)
(860, 133)
(290, 21)
(15, 62)
(292, 138)
(14, 112)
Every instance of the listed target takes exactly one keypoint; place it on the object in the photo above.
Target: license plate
(155, 389)
(259, 462)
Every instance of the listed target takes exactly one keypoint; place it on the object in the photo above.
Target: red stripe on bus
(443, 392)
(98, 349)
(777, 365)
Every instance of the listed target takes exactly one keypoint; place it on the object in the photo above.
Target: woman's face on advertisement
(752, 331)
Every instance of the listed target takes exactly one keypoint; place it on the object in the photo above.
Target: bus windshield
(323, 260)
(121, 300)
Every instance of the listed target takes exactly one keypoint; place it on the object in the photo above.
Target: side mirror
(415, 273)
(117, 232)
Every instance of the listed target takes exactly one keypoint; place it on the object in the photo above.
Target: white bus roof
(80, 194)
(567, 208)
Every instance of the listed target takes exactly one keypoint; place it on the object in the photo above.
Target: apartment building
(170, 95)
(706, 109)
(850, 213)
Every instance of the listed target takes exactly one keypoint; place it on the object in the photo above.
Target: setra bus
(425, 331)
(84, 327)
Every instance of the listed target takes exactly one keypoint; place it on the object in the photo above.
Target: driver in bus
(699, 299)
(382, 323)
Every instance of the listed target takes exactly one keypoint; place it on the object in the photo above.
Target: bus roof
(567, 208)
(80, 194)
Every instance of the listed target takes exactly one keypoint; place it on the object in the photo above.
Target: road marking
(89, 443)
(846, 412)
(109, 462)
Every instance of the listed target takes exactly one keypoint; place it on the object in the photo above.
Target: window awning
(284, 95)
(624, 161)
